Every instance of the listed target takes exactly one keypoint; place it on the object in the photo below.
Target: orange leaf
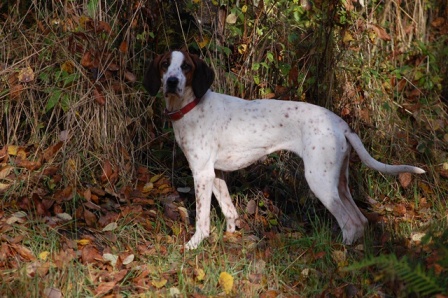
(90, 218)
(405, 179)
(51, 151)
(87, 60)
(99, 97)
(400, 209)
(103, 27)
(107, 171)
(129, 76)
(123, 47)
(23, 252)
(105, 287)
(15, 91)
(28, 164)
(64, 195)
(90, 254)
(379, 31)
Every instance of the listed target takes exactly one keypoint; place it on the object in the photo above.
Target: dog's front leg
(203, 183)
(225, 201)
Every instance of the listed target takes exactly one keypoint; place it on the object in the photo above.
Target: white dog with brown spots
(218, 132)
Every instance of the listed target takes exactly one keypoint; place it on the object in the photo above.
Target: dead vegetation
(95, 202)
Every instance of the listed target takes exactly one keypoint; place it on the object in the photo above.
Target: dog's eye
(164, 65)
(185, 66)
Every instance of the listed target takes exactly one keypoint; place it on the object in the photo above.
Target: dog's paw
(194, 241)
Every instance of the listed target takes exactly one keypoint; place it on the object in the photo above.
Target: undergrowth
(83, 147)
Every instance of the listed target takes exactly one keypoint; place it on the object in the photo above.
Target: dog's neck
(175, 102)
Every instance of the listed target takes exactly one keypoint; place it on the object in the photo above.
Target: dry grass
(86, 58)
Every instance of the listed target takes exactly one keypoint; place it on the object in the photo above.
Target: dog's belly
(239, 160)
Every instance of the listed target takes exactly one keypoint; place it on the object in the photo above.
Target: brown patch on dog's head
(152, 79)
(203, 76)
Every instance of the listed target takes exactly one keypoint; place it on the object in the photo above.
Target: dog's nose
(171, 83)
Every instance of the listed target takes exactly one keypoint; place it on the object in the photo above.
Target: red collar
(178, 114)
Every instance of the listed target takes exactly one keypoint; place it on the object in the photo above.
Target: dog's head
(176, 71)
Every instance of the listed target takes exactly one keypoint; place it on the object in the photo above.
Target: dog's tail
(372, 163)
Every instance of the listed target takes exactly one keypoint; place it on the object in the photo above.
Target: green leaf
(53, 100)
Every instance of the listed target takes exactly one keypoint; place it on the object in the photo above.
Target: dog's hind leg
(225, 201)
(323, 182)
(344, 192)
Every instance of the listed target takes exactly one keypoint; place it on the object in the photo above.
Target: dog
(220, 133)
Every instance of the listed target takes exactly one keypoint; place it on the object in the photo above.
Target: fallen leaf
(4, 172)
(104, 288)
(340, 257)
(107, 171)
(129, 259)
(52, 293)
(184, 214)
(123, 47)
(68, 66)
(110, 227)
(111, 258)
(64, 216)
(199, 274)
(90, 218)
(129, 76)
(24, 252)
(28, 164)
(83, 241)
(52, 150)
(99, 97)
(159, 283)
(226, 282)
(43, 255)
(26, 75)
(400, 209)
(405, 179)
(90, 254)
(87, 60)
(251, 207)
(15, 92)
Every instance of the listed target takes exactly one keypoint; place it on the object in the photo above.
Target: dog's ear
(203, 76)
(151, 78)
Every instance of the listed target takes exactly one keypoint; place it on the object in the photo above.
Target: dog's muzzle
(171, 85)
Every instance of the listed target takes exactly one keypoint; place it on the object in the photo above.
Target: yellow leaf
(204, 41)
(12, 149)
(159, 283)
(68, 66)
(26, 75)
(347, 37)
(200, 274)
(43, 255)
(148, 187)
(244, 8)
(4, 186)
(72, 164)
(155, 178)
(242, 48)
(226, 282)
(83, 241)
